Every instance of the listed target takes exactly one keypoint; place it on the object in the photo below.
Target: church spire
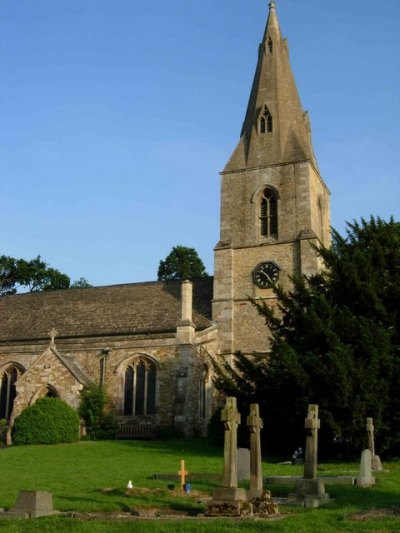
(276, 130)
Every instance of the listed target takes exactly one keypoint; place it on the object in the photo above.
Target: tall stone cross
(53, 334)
(255, 424)
(376, 460)
(231, 419)
(312, 425)
(371, 437)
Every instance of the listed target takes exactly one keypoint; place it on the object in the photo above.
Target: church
(149, 344)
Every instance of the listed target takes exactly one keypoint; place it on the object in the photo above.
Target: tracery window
(8, 392)
(140, 388)
(266, 121)
(269, 214)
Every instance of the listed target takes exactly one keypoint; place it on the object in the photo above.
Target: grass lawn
(92, 476)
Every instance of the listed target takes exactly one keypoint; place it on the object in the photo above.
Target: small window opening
(269, 214)
(266, 121)
(270, 45)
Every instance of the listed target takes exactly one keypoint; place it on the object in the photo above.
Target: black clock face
(266, 274)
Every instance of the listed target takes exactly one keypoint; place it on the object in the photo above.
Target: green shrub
(99, 423)
(48, 421)
(3, 430)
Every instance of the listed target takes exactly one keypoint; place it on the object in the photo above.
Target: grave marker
(255, 424)
(365, 478)
(231, 419)
(376, 461)
(312, 425)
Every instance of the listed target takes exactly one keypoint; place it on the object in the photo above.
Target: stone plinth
(229, 501)
(31, 504)
(311, 492)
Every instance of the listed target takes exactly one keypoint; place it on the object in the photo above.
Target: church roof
(286, 136)
(137, 308)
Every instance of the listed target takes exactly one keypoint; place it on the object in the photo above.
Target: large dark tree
(334, 342)
(34, 275)
(180, 264)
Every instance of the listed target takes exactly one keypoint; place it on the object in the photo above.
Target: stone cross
(370, 433)
(53, 334)
(182, 473)
(376, 460)
(231, 419)
(312, 425)
(255, 424)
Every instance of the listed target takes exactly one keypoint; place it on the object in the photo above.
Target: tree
(81, 283)
(34, 275)
(335, 342)
(180, 264)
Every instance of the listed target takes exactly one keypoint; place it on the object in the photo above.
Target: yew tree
(335, 341)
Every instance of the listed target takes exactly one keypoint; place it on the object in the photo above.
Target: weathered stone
(376, 461)
(31, 504)
(365, 478)
(255, 424)
(231, 419)
(243, 464)
(312, 425)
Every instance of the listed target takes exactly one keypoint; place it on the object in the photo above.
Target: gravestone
(312, 425)
(310, 489)
(231, 419)
(376, 461)
(229, 500)
(365, 478)
(243, 464)
(255, 424)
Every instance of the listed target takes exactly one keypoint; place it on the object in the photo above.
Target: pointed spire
(275, 130)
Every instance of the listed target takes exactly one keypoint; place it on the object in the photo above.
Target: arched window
(266, 121)
(269, 214)
(270, 45)
(8, 392)
(140, 388)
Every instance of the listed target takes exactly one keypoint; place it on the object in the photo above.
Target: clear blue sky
(116, 117)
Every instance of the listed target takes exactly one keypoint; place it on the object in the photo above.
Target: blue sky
(117, 116)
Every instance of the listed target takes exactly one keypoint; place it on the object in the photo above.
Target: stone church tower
(274, 203)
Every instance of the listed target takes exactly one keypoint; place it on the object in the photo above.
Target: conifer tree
(335, 342)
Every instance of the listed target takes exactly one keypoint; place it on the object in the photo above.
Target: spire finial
(53, 333)
(272, 5)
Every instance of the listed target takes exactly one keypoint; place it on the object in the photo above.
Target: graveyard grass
(92, 477)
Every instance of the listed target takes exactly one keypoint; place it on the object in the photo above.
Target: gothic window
(270, 45)
(269, 214)
(8, 392)
(140, 388)
(266, 121)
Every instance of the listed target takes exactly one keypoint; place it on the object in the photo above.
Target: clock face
(266, 274)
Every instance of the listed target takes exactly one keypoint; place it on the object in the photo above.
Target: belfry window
(8, 392)
(140, 388)
(266, 121)
(269, 214)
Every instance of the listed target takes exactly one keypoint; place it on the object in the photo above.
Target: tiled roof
(153, 307)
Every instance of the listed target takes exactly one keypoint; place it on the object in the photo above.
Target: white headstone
(365, 478)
